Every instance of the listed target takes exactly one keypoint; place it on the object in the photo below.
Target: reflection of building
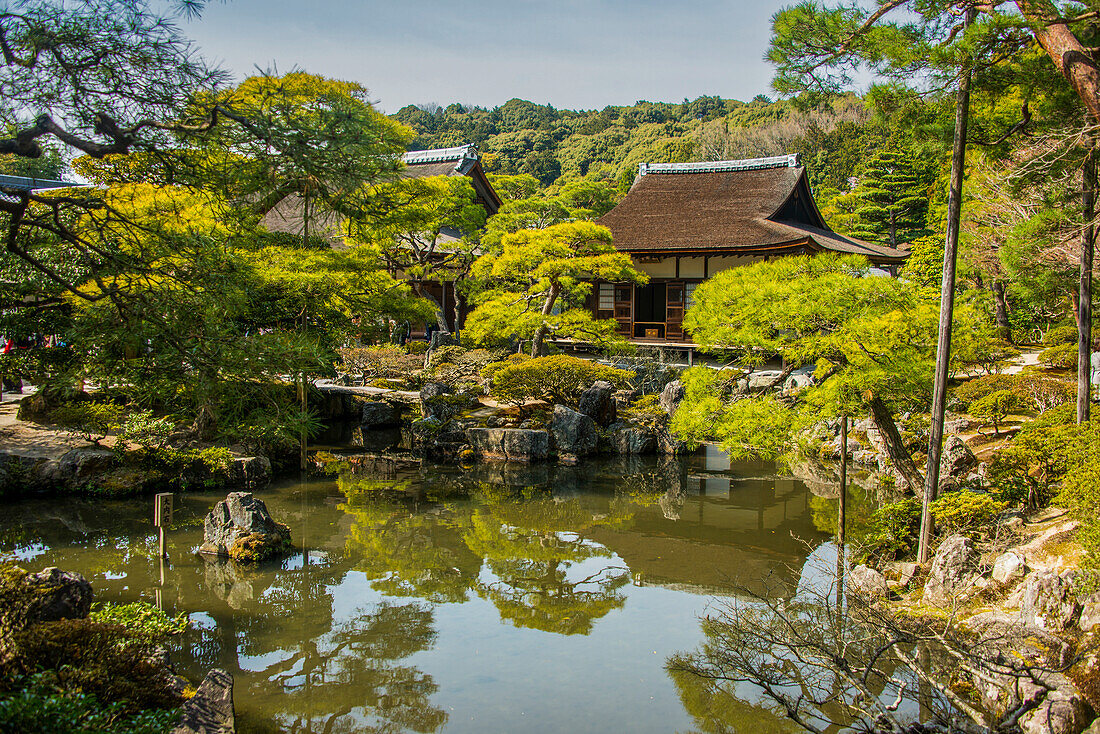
(683, 222)
(735, 527)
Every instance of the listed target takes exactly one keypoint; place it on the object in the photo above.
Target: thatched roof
(757, 206)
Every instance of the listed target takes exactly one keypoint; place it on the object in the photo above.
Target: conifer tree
(890, 202)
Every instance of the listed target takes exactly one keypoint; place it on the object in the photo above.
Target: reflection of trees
(535, 551)
(717, 710)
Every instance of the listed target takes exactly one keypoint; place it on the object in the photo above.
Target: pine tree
(890, 201)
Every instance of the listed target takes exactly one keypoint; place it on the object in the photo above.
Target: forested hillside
(557, 146)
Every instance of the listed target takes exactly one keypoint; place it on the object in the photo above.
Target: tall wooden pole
(1084, 292)
(842, 506)
(302, 397)
(947, 307)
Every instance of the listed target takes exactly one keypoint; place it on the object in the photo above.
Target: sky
(573, 54)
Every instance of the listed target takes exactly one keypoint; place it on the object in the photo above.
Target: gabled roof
(462, 160)
(754, 206)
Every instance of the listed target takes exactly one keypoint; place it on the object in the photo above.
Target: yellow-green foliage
(93, 418)
(994, 407)
(1062, 356)
(1037, 392)
(747, 427)
(141, 617)
(893, 530)
(647, 411)
(966, 512)
(1028, 468)
(385, 361)
(1080, 492)
(555, 379)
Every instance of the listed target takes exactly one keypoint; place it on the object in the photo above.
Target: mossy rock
(257, 547)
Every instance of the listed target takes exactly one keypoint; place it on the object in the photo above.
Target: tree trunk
(1084, 290)
(538, 343)
(947, 308)
(1000, 306)
(842, 505)
(895, 447)
(440, 317)
(1070, 56)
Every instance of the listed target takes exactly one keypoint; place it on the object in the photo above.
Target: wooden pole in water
(842, 508)
(947, 307)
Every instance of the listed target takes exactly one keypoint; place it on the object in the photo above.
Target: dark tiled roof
(751, 206)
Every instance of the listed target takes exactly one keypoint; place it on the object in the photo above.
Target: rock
(78, 466)
(953, 572)
(867, 581)
(1009, 568)
(627, 439)
(598, 403)
(865, 458)
(1062, 711)
(998, 632)
(763, 379)
(669, 443)
(574, 433)
(957, 425)
(509, 444)
(58, 595)
(1089, 617)
(671, 397)
(379, 414)
(800, 379)
(437, 403)
(956, 461)
(1095, 727)
(1048, 601)
(903, 574)
(241, 528)
(210, 710)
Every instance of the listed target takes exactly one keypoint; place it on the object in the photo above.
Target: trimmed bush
(994, 407)
(1062, 356)
(1080, 492)
(969, 513)
(386, 361)
(555, 379)
(893, 530)
(1035, 391)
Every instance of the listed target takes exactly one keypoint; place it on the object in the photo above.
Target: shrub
(141, 617)
(490, 370)
(141, 427)
(35, 704)
(994, 407)
(1038, 391)
(966, 512)
(1080, 493)
(893, 529)
(1062, 356)
(417, 347)
(556, 379)
(1066, 334)
(386, 361)
(93, 419)
(1036, 459)
(979, 387)
(647, 411)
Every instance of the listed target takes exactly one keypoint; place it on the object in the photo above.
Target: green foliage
(1061, 356)
(555, 379)
(36, 704)
(1080, 493)
(142, 427)
(93, 418)
(994, 407)
(1035, 391)
(537, 283)
(1036, 459)
(970, 513)
(141, 617)
(384, 361)
(894, 529)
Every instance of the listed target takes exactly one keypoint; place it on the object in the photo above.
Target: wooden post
(1084, 291)
(843, 504)
(162, 518)
(947, 307)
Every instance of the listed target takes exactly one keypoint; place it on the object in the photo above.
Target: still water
(499, 599)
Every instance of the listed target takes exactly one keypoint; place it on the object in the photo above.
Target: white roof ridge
(439, 155)
(745, 164)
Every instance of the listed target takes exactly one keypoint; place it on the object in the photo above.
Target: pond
(538, 598)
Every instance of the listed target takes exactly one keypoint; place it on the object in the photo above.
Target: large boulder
(762, 379)
(437, 403)
(1009, 568)
(58, 595)
(575, 434)
(953, 573)
(956, 461)
(79, 466)
(240, 527)
(1062, 711)
(671, 397)
(379, 414)
(867, 582)
(210, 710)
(598, 403)
(1048, 600)
(509, 444)
(628, 440)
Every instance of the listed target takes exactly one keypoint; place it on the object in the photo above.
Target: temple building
(683, 222)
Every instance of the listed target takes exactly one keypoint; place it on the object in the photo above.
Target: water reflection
(405, 577)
